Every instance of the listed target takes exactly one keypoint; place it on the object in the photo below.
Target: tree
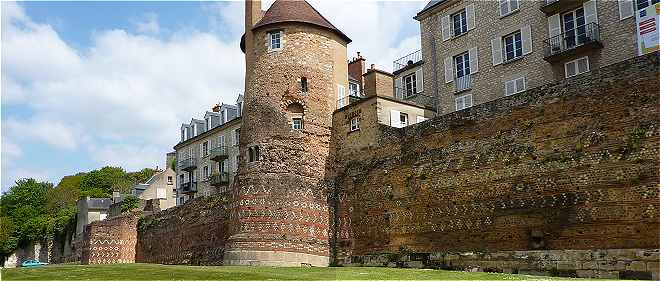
(23, 211)
(129, 203)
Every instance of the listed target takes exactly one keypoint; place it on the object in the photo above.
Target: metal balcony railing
(188, 187)
(407, 60)
(348, 100)
(219, 153)
(572, 39)
(220, 179)
(463, 83)
(188, 164)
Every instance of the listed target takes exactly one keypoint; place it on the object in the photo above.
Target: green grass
(180, 272)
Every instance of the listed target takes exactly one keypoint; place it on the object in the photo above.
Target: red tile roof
(282, 11)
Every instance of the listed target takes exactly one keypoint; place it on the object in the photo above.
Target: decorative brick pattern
(110, 241)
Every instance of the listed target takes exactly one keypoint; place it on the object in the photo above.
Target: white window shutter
(395, 118)
(419, 80)
(496, 46)
(459, 103)
(449, 70)
(626, 9)
(469, 11)
(446, 28)
(520, 84)
(474, 60)
(509, 87)
(590, 13)
(504, 7)
(554, 25)
(398, 83)
(526, 33)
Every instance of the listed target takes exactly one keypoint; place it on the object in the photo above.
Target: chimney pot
(216, 108)
(373, 66)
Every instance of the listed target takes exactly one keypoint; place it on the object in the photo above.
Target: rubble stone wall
(572, 165)
(194, 233)
(111, 241)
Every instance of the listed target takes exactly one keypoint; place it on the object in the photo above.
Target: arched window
(250, 155)
(253, 154)
(256, 153)
(303, 85)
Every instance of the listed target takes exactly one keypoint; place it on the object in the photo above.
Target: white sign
(648, 33)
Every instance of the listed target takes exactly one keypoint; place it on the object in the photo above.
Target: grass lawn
(180, 272)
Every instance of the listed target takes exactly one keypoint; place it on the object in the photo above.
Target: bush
(129, 203)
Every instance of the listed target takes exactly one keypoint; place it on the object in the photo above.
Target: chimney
(216, 107)
(169, 158)
(356, 69)
(378, 83)
(253, 13)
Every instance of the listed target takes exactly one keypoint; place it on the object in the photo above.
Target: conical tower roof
(300, 11)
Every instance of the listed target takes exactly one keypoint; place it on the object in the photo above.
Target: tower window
(355, 124)
(275, 40)
(297, 123)
(253, 154)
(303, 85)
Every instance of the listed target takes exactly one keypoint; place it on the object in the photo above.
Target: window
(303, 85)
(463, 102)
(237, 134)
(253, 153)
(208, 123)
(641, 4)
(459, 23)
(575, 30)
(297, 123)
(514, 86)
(238, 160)
(205, 148)
(354, 89)
(206, 172)
(275, 40)
(355, 124)
(403, 119)
(576, 67)
(462, 64)
(508, 6)
(221, 141)
(512, 46)
(169, 180)
(410, 85)
(161, 193)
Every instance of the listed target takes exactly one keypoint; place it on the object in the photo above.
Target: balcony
(551, 7)
(188, 165)
(407, 60)
(583, 38)
(353, 98)
(219, 154)
(218, 180)
(188, 187)
(463, 83)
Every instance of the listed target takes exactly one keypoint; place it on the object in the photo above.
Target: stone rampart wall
(567, 166)
(111, 241)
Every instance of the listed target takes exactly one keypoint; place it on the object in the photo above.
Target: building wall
(566, 166)
(281, 213)
(618, 37)
(183, 152)
(162, 183)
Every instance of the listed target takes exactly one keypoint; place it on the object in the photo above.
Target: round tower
(296, 68)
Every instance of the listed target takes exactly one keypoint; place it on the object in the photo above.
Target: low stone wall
(193, 234)
(111, 241)
(35, 251)
(611, 264)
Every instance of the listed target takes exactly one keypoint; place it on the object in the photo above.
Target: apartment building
(161, 186)
(208, 154)
(408, 72)
(484, 50)
(377, 101)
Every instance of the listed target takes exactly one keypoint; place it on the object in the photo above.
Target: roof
(430, 5)
(282, 11)
(208, 132)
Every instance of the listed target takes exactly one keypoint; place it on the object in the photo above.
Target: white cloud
(148, 25)
(122, 100)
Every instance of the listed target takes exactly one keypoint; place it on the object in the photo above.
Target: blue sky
(89, 84)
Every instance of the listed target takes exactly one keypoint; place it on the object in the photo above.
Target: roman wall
(194, 234)
(110, 241)
(561, 179)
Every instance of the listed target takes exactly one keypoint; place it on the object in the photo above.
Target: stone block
(636, 266)
(582, 273)
(605, 274)
(569, 265)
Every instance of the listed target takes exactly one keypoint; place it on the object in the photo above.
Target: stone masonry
(111, 241)
(567, 166)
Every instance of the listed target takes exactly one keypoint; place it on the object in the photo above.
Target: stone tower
(296, 68)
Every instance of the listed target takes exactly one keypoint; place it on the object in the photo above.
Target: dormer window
(275, 40)
(303, 85)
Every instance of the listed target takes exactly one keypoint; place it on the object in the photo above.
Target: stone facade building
(161, 186)
(478, 51)
(207, 156)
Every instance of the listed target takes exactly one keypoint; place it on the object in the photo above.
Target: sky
(90, 84)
